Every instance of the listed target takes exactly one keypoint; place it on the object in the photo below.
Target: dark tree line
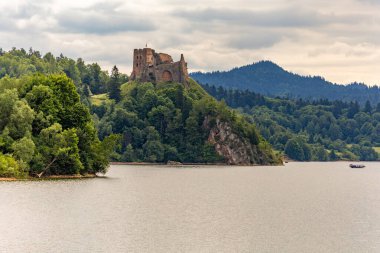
(88, 78)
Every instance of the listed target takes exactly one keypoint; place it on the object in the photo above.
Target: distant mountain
(269, 79)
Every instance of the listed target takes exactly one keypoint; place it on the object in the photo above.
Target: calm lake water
(300, 207)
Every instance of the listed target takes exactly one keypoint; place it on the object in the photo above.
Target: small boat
(357, 166)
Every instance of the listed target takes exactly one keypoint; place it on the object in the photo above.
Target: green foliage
(114, 84)
(323, 125)
(163, 122)
(46, 127)
(9, 167)
(58, 152)
(333, 156)
(20, 121)
(88, 78)
(24, 149)
(297, 149)
(46, 130)
(8, 99)
(102, 152)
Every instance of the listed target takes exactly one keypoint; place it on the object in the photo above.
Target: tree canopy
(345, 129)
(45, 129)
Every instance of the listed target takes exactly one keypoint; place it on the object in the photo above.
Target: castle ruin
(149, 66)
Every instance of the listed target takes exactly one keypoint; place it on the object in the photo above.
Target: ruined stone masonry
(149, 66)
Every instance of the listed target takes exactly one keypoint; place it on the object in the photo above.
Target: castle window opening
(167, 76)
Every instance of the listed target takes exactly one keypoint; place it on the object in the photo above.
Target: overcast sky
(337, 39)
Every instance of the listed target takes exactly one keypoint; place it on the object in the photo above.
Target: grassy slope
(98, 99)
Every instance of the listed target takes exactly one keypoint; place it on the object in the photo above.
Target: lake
(299, 207)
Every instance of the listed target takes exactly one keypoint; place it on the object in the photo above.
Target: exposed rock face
(236, 150)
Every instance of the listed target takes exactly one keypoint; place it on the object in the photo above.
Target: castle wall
(149, 66)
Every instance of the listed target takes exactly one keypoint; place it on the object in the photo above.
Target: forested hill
(269, 79)
(310, 130)
(60, 116)
(169, 122)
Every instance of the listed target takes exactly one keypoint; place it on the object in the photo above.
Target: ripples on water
(300, 207)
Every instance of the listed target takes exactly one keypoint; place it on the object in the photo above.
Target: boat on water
(357, 166)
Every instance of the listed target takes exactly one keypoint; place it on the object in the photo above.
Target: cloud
(102, 18)
(337, 39)
(282, 17)
(370, 1)
(254, 40)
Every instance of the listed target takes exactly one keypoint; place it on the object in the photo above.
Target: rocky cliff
(236, 149)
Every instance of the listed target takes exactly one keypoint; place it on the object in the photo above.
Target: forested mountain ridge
(310, 130)
(269, 79)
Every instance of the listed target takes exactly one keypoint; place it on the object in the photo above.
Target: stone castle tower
(149, 66)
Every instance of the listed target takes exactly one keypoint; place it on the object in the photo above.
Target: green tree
(103, 151)
(24, 149)
(114, 84)
(335, 132)
(20, 121)
(368, 107)
(321, 154)
(57, 146)
(333, 156)
(128, 154)
(153, 148)
(8, 99)
(294, 150)
(9, 167)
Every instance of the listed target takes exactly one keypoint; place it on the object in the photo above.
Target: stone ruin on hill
(149, 66)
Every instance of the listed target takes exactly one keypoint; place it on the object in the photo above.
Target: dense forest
(46, 127)
(310, 130)
(54, 110)
(88, 78)
(271, 80)
(168, 122)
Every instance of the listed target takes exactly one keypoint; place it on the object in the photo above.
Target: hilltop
(171, 122)
(267, 78)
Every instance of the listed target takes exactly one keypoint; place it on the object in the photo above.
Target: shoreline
(89, 176)
(52, 177)
(186, 164)
(175, 164)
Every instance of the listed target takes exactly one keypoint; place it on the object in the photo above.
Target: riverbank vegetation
(46, 130)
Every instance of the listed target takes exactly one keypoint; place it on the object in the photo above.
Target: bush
(9, 167)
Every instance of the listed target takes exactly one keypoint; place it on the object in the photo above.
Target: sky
(339, 40)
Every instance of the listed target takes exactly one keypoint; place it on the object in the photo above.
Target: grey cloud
(30, 9)
(102, 18)
(370, 1)
(289, 17)
(254, 40)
